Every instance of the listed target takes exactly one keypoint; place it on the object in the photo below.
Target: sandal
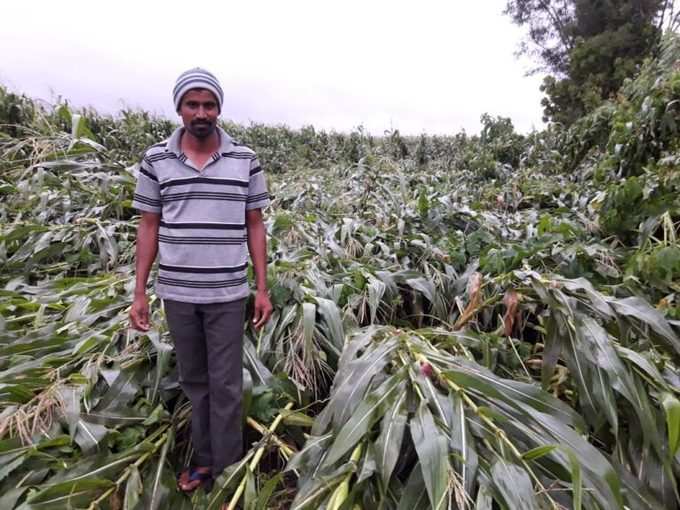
(190, 479)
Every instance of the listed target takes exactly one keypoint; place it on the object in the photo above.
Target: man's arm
(257, 246)
(145, 254)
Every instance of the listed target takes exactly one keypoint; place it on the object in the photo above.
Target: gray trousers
(209, 345)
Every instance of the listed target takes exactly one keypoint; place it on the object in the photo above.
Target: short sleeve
(258, 197)
(147, 195)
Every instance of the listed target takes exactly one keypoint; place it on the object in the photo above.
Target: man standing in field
(201, 197)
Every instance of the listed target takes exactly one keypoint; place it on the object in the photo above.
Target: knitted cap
(197, 78)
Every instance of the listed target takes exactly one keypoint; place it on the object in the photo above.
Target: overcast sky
(427, 66)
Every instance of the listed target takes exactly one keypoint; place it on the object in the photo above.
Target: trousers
(208, 342)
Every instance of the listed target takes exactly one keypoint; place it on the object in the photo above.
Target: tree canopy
(588, 47)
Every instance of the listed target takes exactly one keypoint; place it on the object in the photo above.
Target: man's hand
(263, 309)
(139, 313)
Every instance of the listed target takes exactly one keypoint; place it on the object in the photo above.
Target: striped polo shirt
(202, 240)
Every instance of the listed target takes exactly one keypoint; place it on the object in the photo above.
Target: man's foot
(191, 478)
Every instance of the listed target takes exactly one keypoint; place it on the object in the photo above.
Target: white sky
(428, 66)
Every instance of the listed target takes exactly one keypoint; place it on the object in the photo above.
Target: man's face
(199, 112)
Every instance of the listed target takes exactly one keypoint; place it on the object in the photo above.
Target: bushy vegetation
(460, 322)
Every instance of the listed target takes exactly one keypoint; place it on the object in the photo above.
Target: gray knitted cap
(197, 78)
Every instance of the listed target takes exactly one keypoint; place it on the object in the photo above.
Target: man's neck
(207, 145)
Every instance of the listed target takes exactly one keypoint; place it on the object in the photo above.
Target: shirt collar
(226, 141)
(173, 145)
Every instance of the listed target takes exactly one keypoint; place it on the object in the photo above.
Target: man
(201, 197)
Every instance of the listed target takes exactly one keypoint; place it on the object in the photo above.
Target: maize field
(460, 322)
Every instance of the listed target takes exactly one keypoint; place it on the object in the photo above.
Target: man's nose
(201, 112)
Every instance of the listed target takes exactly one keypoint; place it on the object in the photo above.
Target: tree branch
(558, 24)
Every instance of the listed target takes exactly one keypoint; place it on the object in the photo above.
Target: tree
(550, 37)
(588, 47)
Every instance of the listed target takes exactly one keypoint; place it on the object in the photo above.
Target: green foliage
(630, 145)
(499, 136)
(15, 111)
